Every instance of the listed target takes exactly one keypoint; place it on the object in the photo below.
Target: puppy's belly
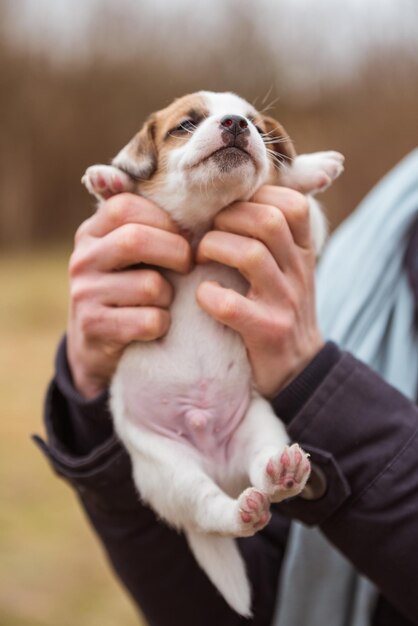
(194, 385)
(202, 414)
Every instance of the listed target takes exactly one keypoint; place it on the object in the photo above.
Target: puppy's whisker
(282, 139)
(278, 159)
(270, 89)
(271, 105)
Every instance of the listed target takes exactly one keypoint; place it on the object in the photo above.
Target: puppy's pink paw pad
(105, 181)
(253, 511)
(287, 473)
(329, 166)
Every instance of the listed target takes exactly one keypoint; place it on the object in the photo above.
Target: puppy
(208, 453)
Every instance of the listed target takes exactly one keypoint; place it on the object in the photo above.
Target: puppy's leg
(170, 477)
(275, 468)
(312, 173)
(104, 181)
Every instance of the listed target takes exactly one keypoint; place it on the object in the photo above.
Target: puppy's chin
(223, 169)
(229, 159)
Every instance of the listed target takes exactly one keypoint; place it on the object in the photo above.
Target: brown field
(52, 570)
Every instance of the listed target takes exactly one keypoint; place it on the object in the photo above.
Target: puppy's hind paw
(287, 473)
(104, 181)
(253, 512)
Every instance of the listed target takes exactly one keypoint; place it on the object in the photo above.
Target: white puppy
(208, 453)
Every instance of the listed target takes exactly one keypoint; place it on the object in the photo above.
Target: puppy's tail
(219, 557)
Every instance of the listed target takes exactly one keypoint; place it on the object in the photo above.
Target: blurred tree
(61, 114)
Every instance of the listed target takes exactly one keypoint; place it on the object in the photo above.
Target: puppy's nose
(235, 124)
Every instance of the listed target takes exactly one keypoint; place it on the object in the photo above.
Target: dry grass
(52, 570)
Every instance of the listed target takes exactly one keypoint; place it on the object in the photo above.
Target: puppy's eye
(258, 129)
(187, 126)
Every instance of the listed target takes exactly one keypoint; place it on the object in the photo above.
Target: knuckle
(299, 205)
(117, 208)
(155, 324)
(79, 291)
(152, 285)
(90, 322)
(228, 309)
(184, 253)
(77, 264)
(131, 238)
(81, 231)
(272, 221)
(254, 255)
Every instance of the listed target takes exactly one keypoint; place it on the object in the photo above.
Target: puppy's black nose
(235, 124)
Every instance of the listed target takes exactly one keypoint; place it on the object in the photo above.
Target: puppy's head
(203, 152)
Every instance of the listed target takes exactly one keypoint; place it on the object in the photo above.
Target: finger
(226, 306)
(294, 207)
(126, 208)
(264, 222)
(124, 325)
(135, 243)
(249, 256)
(134, 288)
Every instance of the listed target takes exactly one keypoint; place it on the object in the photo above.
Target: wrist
(93, 406)
(88, 385)
(284, 365)
(302, 363)
(290, 400)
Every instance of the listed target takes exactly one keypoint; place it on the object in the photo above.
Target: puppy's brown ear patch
(278, 140)
(138, 158)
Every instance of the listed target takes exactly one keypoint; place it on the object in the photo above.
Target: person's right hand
(110, 308)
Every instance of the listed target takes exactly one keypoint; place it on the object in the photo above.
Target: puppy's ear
(136, 162)
(138, 158)
(278, 141)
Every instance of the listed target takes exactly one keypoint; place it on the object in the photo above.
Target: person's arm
(362, 436)
(359, 431)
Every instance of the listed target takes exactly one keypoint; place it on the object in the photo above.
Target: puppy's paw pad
(104, 181)
(287, 473)
(311, 173)
(329, 166)
(253, 511)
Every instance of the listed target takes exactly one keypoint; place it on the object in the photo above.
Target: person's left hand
(269, 241)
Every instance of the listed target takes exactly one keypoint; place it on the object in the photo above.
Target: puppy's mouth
(228, 158)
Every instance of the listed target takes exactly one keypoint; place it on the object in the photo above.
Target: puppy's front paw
(104, 181)
(253, 512)
(286, 473)
(312, 173)
(326, 166)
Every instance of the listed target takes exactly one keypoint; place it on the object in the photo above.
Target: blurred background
(77, 79)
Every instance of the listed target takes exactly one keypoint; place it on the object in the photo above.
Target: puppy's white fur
(208, 452)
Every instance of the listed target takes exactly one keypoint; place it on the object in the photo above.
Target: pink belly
(204, 415)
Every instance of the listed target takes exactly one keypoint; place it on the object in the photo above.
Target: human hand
(110, 308)
(269, 241)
